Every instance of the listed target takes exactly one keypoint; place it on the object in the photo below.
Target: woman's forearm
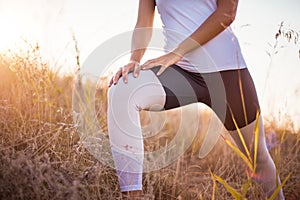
(140, 39)
(143, 29)
(213, 25)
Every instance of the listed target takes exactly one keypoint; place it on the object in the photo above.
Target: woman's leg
(265, 173)
(177, 87)
(244, 110)
(242, 103)
(125, 102)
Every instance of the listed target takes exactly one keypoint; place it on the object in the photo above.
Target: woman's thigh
(241, 98)
(228, 93)
(183, 87)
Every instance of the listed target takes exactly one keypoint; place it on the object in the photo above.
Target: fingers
(117, 76)
(131, 66)
(150, 64)
(137, 69)
(163, 61)
(123, 72)
(161, 70)
(154, 63)
(110, 82)
(114, 79)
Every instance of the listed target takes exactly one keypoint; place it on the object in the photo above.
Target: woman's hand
(123, 72)
(163, 61)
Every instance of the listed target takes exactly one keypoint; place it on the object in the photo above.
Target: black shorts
(228, 93)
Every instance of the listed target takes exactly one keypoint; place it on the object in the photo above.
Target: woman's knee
(145, 87)
(121, 89)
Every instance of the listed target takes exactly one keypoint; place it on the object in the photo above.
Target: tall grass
(251, 162)
(41, 156)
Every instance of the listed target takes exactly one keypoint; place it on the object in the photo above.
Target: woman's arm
(217, 22)
(223, 16)
(143, 29)
(140, 39)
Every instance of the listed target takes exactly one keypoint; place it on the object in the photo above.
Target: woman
(205, 25)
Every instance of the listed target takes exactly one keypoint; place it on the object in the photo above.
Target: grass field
(41, 156)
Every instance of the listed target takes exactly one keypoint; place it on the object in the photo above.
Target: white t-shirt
(181, 18)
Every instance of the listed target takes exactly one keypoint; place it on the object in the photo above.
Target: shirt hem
(210, 70)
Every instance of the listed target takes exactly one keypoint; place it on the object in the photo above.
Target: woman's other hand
(163, 61)
(123, 72)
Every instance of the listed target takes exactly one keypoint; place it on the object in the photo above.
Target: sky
(52, 23)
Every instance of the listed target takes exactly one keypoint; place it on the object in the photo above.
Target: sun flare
(13, 29)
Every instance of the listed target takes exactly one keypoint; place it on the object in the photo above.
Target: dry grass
(41, 157)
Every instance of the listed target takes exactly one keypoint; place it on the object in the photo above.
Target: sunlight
(10, 31)
(13, 30)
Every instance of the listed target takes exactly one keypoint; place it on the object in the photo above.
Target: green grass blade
(282, 136)
(276, 192)
(245, 188)
(229, 189)
(214, 186)
(242, 97)
(256, 135)
(201, 197)
(242, 138)
(239, 153)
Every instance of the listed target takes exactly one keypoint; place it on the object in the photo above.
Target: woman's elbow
(142, 23)
(228, 18)
(227, 11)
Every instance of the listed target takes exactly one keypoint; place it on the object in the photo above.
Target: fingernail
(135, 75)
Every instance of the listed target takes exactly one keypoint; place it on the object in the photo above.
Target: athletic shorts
(230, 94)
